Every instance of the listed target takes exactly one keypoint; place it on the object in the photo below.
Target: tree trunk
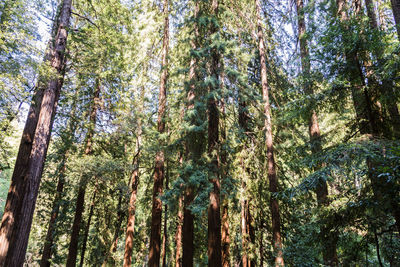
(165, 230)
(225, 236)
(155, 238)
(329, 244)
(225, 239)
(48, 244)
(273, 180)
(87, 228)
(80, 200)
(188, 230)
(21, 199)
(178, 236)
(396, 14)
(214, 216)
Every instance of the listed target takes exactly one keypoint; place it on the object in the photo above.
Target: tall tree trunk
(21, 199)
(156, 214)
(214, 213)
(178, 235)
(165, 230)
(130, 228)
(67, 140)
(48, 244)
(187, 230)
(396, 14)
(329, 241)
(225, 236)
(225, 239)
(80, 200)
(87, 228)
(273, 180)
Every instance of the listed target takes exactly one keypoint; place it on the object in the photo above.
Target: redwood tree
(156, 212)
(272, 176)
(21, 199)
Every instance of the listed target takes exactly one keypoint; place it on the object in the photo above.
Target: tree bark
(21, 199)
(178, 235)
(225, 236)
(165, 230)
(80, 200)
(273, 180)
(155, 238)
(329, 244)
(130, 228)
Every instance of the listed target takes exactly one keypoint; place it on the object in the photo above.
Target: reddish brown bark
(178, 235)
(80, 200)
(225, 239)
(155, 237)
(165, 230)
(21, 199)
(187, 230)
(225, 236)
(273, 180)
(130, 228)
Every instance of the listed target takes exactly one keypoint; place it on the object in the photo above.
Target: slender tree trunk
(273, 180)
(48, 244)
(130, 228)
(243, 227)
(87, 228)
(165, 230)
(214, 213)
(80, 200)
(225, 236)
(178, 235)
(396, 14)
(21, 199)
(187, 230)
(329, 244)
(155, 238)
